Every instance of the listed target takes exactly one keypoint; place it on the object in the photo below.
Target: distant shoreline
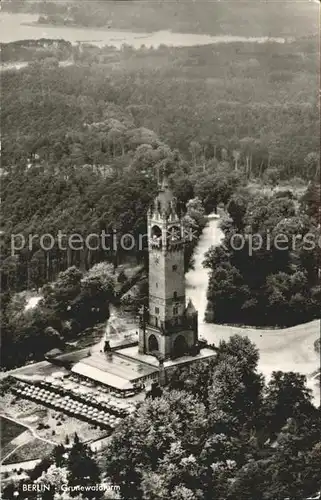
(205, 39)
(223, 37)
(35, 24)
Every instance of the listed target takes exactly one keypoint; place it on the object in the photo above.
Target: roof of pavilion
(102, 377)
(115, 371)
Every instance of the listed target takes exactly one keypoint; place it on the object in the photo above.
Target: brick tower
(168, 328)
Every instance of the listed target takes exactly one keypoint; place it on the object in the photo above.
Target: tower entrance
(152, 344)
(180, 347)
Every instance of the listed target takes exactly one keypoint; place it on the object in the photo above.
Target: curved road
(289, 349)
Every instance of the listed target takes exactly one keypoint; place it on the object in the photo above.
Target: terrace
(133, 354)
(82, 405)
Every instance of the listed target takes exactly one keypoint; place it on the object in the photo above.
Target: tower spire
(158, 177)
(164, 184)
(162, 178)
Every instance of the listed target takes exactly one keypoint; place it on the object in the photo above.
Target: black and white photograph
(160, 193)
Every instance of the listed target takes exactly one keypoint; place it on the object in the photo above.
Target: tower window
(156, 310)
(156, 285)
(175, 310)
(174, 268)
(175, 295)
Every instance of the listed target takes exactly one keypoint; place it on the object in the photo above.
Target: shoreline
(212, 39)
(35, 24)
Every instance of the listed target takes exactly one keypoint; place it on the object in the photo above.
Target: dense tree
(216, 187)
(312, 164)
(236, 208)
(132, 453)
(57, 478)
(290, 472)
(286, 396)
(234, 453)
(249, 482)
(59, 295)
(272, 176)
(188, 442)
(242, 349)
(237, 392)
(93, 164)
(68, 305)
(82, 469)
(271, 235)
(311, 200)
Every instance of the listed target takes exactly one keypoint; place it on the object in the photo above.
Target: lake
(15, 27)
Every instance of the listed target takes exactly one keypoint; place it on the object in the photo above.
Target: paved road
(289, 349)
(28, 465)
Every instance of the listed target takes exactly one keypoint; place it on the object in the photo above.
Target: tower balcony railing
(170, 245)
(156, 244)
(175, 245)
(173, 325)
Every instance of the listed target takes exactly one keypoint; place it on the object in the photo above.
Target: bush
(6, 384)
(122, 277)
(284, 194)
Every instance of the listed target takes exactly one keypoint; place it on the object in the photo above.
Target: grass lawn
(30, 451)
(46, 369)
(9, 431)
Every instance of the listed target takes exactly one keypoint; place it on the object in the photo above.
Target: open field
(297, 190)
(41, 370)
(9, 431)
(10, 434)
